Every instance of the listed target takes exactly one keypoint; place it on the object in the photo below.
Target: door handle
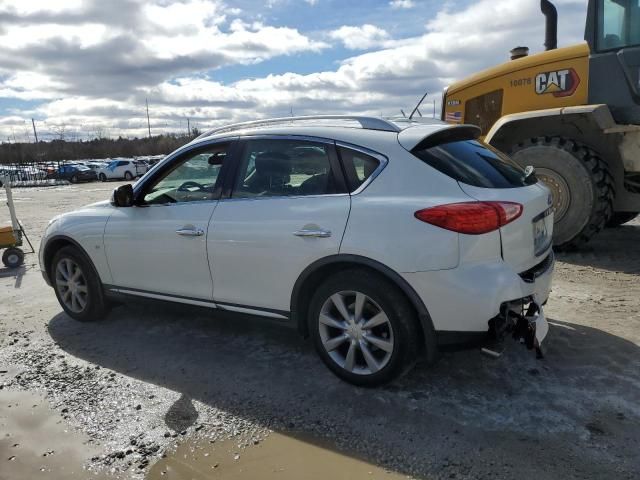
(313, 233)
(190, 232)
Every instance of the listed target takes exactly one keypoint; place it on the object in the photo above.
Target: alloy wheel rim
(13, 258)
(71, 285)
(356, 333)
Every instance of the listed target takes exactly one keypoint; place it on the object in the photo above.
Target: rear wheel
(128, 176)
(102, 177)
(580, 183)
(77, 286)
(74, 179)
(363, 328)
(620, 218)
(13, 257)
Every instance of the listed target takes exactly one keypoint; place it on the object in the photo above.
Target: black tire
(581, 183)
(402, 318)
(13, 257)
(620, 218)
(96, 306)
(102, 177)
(74, 179)
(128, 176)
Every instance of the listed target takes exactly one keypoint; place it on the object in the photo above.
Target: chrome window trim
(372, 153)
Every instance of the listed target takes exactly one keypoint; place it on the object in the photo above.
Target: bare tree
(59, 131)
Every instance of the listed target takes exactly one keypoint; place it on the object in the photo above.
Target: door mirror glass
(123, 196)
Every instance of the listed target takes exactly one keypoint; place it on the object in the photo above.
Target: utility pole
(188, 128)
(434, 108)
(148, 122)
(35, 134)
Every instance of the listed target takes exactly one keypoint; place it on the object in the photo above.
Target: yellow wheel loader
(572, 113)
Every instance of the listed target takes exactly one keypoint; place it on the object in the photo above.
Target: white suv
(119, 169)
(383, 242)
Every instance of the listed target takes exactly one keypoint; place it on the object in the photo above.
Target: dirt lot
(117, 397)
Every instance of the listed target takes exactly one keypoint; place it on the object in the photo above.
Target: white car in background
(382, 243)
(119, 169)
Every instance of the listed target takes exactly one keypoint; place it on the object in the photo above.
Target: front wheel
(77, 286)
(102, 177)
(74, 179)
(13, 257)
(363, 328)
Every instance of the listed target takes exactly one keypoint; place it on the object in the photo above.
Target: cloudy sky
(87, 66)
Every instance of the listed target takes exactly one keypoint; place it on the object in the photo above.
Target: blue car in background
(76, 173)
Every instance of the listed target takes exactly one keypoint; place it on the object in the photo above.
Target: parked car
(141, 166)
(76, 173)
(96, 166)
(382, 243)
(119, 169)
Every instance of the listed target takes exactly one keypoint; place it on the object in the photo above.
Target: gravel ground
(151, 376)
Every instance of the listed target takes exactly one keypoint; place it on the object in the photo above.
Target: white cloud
(23, 7)
(402, 4)
(104, 82)
(360, 38)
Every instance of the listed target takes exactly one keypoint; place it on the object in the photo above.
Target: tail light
(472, 218)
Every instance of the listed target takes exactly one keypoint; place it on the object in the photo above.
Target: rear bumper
(461, 301)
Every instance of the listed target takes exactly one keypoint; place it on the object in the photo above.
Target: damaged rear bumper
(478, 294)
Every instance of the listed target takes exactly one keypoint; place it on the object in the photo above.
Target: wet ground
(282, 457)
(152, 378)
(37, 443)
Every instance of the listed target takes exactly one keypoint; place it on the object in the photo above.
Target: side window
(279, 168)
(193, 178)
(359, 166)
(122, 163)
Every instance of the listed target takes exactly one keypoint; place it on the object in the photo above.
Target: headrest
(273, 163)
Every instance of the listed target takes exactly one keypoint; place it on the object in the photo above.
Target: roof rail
(368, 123)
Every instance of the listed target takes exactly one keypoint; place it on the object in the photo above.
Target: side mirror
(123, 196)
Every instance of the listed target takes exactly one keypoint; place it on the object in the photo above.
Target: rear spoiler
(422, 137)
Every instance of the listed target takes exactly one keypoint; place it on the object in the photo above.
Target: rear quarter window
(475, 163)
(358, 166)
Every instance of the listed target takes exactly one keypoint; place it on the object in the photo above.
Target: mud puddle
(279, 457)
(35, 441)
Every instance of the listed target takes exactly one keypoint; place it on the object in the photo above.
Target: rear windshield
(476, 164)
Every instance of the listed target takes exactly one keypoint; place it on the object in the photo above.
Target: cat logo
(561, 83)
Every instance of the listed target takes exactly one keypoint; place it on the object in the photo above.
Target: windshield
(618, 24)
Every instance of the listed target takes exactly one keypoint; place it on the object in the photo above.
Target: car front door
(287, 208)
(157, 248)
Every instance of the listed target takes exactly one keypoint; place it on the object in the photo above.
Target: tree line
(58, 150)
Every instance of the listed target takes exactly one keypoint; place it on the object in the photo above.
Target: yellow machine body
(552, 79)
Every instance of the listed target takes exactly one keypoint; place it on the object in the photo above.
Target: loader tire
(580, 182)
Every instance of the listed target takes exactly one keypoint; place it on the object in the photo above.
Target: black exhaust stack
(551, 24)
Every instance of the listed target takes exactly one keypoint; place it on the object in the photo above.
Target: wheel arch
(57, 242)
(315, 273)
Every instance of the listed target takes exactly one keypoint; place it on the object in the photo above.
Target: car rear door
(287, 207)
